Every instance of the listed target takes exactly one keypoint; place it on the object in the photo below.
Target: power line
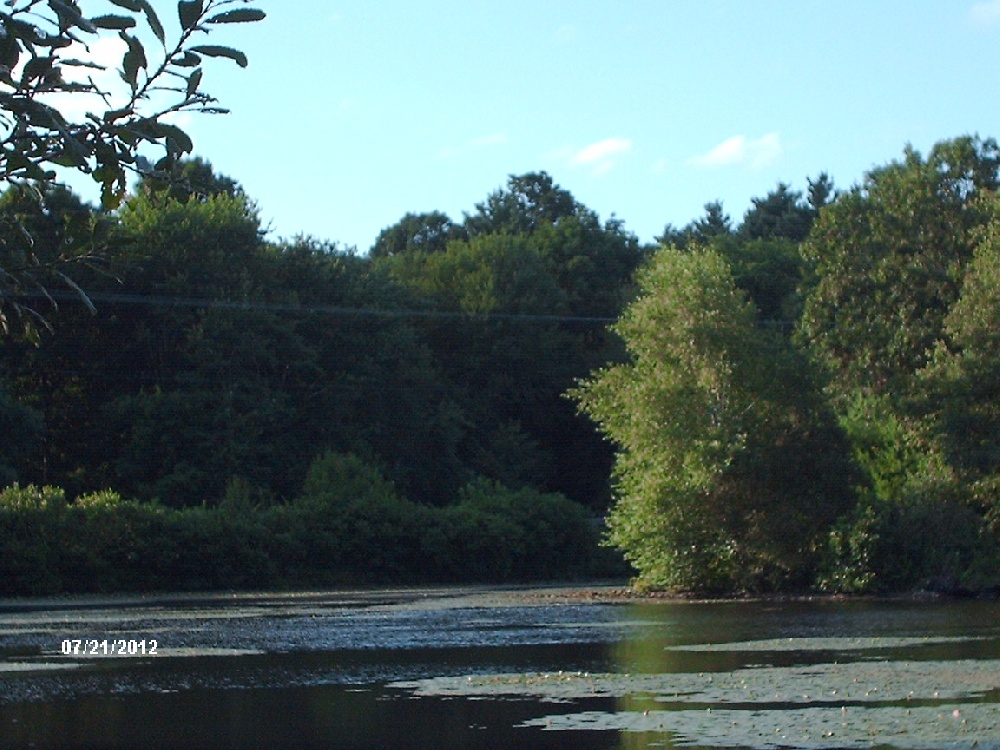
(206, 303)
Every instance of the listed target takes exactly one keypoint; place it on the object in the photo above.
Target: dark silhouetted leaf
(37, 67)
(10, 51)
(133, 61)
(193, 81)
(189, 12)
(70, 16)
(243, 15)
(153, 20)
(187, 60)
(211, 50)
(177, 140)
(113, 22)
(72, 62)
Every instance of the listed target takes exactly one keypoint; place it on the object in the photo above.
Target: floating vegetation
(839, 684)
(27, 666)
(965, 726)
(910, 704)
(818, 644)
(913, 676)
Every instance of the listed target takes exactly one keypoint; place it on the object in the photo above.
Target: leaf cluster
(48, 71)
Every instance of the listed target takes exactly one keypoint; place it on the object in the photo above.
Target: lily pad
(839, 684)
(817, 644)
(965, 725)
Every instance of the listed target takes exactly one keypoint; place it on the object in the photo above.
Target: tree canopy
(889, 257)
(803, 400)
(710, 415)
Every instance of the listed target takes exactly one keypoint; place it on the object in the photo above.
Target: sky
(351, 115)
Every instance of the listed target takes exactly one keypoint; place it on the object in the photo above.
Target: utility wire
(205, 303)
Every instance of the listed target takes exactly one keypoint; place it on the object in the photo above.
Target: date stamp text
(108, 647)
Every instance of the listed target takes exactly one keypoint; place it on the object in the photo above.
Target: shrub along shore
(102, 543)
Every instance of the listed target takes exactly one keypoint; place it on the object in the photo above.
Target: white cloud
(473, 144)
(601, 156)
(985, 14)
(742, 151)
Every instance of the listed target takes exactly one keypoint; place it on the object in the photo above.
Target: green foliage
(292, 413)
(530, 250)
(724, 480)
(902, 316)
(888, 448)
(20, 420)
(529, 202)
(889, 258)
(426, 233)
(27, 552)
(715, 224)
(43, 229)
(356, 530)
(188, 179)
(676, 416)
(495, 273)
(31, 498)
(495, 533)
(243, 497)
(214, 366)
(771, 272)
(43, 57)
(926, 543)
(960, 387)
(781, 214)
(336, 480)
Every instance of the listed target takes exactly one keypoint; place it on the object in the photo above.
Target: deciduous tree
(889, 257)
(728, 470)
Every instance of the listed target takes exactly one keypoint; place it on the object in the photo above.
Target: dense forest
(806, 399)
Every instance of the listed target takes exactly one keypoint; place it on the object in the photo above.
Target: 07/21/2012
(108, 647)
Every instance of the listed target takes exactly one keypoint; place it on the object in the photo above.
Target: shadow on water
(481, 669)
(314, 717)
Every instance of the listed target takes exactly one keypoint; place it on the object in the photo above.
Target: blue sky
(352, 114)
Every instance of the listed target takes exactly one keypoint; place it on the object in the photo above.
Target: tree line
(217, 369)
(801, 400)
(817, 406)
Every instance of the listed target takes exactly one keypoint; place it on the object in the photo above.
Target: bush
(29, 521)
(495, 533)
(16, 498)
(337, 479)
(894, 546)
(348, 527)
(350, 524)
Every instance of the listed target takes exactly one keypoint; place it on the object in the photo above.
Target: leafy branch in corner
(61, 106)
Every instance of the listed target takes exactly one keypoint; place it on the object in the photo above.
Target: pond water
(477, 668)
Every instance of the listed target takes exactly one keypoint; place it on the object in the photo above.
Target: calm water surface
(450, 668)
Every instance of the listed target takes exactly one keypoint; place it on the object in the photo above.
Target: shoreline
(442, 595)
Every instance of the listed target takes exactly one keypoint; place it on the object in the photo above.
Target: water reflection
(480, 669)
(811, 675)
